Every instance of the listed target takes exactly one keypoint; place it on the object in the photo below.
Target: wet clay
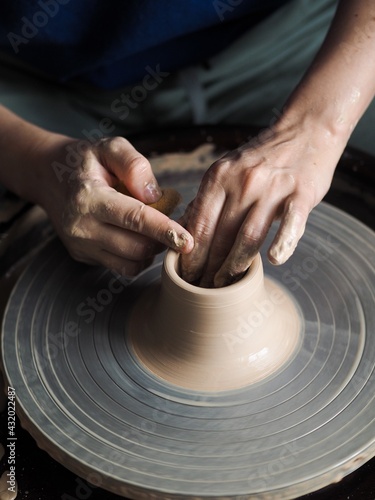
(214, 339)
(199, 158)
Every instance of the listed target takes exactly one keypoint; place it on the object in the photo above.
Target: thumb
(131, 168)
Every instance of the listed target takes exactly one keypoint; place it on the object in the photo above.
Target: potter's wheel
(90, 404)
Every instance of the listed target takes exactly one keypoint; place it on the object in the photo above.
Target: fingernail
(152, 192)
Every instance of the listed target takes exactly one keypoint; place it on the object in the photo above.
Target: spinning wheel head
(97, 399)
(214, 339)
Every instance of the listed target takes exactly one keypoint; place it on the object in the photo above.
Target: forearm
(340, 84)
(21, 144)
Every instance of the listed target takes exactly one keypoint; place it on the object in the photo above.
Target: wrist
(321, 121)
(26, 154)
(39, 179)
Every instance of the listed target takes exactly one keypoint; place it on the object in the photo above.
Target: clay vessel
(214, 339)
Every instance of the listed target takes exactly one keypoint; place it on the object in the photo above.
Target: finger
(130, 167)
(201, 219)
(291, 229)
(100, 257)
(131, 214)
(227, 229)
(248, 241)
(125, 267)
(126, 244)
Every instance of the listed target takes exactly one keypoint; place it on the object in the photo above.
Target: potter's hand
(282, 174)
(99, 225)
(286, 174)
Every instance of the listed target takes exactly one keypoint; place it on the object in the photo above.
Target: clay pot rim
(171, 268)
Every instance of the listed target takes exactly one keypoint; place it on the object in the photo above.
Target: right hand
(280, 176)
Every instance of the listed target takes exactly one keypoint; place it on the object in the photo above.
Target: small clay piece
(168, 202)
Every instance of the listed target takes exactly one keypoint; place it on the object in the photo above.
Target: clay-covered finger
(201, 219)
(291, 229)
(227, 229)
(125, 244)
(125, 266)
(248, 241)
(131, 214)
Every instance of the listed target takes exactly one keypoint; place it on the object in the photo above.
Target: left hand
(98, 224)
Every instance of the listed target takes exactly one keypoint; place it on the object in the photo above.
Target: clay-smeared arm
(74, 181)
(284, 173)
